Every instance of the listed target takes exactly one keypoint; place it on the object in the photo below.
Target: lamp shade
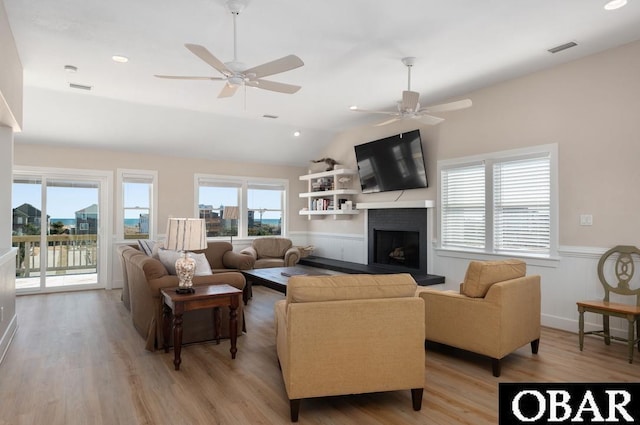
(186, 234)
(230, 213)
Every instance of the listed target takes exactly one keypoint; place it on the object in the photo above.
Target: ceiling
(352, 52)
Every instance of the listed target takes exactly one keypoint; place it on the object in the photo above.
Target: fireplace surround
(398, 239)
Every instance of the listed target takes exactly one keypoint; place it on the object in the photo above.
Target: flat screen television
(392, 163)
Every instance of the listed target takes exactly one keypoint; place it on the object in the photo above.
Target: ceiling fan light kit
(409, 107)
(235, 73)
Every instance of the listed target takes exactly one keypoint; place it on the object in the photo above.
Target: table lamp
(186, 234)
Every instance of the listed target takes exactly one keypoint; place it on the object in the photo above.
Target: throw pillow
(202, 265)
(168, 259)
(146, 246)
(482, 274)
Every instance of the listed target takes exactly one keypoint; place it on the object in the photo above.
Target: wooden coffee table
(277, 277)
(206, 296)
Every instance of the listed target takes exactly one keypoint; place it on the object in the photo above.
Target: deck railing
(64, 252)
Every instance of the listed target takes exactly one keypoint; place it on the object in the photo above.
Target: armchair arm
(459, 321)
(291, 257)
(250, 251)
(238, 260)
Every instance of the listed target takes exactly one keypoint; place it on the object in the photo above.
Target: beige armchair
(496, 312)
(350, 334)
(273, 252)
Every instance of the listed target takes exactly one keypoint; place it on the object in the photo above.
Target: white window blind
(463, 206)
(522, 205)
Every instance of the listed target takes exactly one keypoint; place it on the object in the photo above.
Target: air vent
(273, 117)
(79, 86)
(562, 47)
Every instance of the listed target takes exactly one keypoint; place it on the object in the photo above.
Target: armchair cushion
(349, 287)
(482, 274)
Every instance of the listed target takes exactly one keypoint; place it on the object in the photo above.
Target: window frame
(243, 184)
(489, 159)
(126, 176)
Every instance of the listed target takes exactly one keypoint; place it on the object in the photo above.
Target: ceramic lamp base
(185, 268)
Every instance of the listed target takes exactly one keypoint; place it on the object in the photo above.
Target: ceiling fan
(236, 73)
(409, 107)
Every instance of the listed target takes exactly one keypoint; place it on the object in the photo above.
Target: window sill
(551, 261)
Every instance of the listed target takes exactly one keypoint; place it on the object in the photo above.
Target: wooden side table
(206, 296)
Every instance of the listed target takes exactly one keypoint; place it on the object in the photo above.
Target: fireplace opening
(397, 248)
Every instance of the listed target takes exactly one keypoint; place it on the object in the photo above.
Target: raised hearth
(354, 268)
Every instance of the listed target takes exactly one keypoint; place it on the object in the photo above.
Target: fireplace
(397, 239)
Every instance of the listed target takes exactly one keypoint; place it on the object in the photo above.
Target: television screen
(392, 163)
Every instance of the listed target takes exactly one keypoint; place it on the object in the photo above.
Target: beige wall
(175, 175)
(589, 107)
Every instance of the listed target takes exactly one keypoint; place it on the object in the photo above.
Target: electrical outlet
(586, 220)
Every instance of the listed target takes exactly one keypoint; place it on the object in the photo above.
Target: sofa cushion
(301, 289)
(482, 274)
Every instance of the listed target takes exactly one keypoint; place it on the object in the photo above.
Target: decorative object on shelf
(186, 234)
(230, 213)
(343, 181)
(330, 163)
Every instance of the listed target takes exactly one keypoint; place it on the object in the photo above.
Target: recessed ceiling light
(120, 59)
(296, 133)
(353, 107)
(615, 4)
(71, 69)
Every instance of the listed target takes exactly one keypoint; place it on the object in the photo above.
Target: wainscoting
(566, 279)
(8, 322)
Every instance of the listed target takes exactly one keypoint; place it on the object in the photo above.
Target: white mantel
(424, 203)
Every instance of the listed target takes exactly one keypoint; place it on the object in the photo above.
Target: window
(500, 203)
(463, 206)
(236, 206)
(264, 204)
(138, 201)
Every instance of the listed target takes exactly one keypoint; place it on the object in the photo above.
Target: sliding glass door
(56, 227)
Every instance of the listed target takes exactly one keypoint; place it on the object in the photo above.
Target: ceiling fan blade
(375, 112)
(273, 86)
(205, 55)
(228, 90)
(429, 119)
(277, 66)
(178, 77)
(452, 106)
(387, 121)
(410, 100)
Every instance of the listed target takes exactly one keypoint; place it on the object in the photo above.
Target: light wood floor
(76, 359)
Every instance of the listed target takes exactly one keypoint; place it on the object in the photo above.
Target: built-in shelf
(424, 203)
(329, 199)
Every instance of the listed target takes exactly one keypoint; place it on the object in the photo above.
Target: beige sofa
(146, 276)
(496, 311)
(350, 334)
(273, 252)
